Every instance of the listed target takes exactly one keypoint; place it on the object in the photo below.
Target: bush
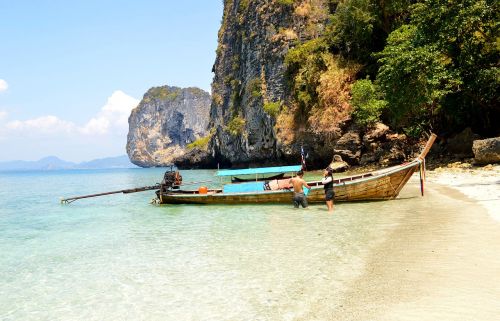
(272, 108)
(243, 5)
(201, 143)
(305, 63)
(351, 28)
(162, 93)
(334, 88)
(235, 126)
(254, 86)
(367, 105)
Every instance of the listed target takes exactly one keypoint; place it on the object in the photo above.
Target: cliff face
(164, 122)
(250, 85)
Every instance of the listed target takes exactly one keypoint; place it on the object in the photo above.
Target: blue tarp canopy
(244, 187)
(261, 170)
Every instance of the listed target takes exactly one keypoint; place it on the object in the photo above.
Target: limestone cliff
(164, 122)
(250, 86)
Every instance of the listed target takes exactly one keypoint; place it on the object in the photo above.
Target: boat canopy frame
(261, 170)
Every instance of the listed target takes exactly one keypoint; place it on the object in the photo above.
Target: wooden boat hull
(374, 186)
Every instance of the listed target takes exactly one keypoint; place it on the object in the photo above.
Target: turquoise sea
(121, 258)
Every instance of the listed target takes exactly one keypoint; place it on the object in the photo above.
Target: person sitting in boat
(299, 198)
(327, 182)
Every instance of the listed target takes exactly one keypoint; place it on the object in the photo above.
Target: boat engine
(172, 179)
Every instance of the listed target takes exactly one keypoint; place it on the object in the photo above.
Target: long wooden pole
(123, 191)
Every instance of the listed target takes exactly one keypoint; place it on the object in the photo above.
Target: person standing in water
(327, 182)
(299, 198)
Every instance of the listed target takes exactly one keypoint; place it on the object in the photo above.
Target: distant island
(55, 163)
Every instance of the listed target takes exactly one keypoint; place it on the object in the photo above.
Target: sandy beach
(480, 184)
(437, 266)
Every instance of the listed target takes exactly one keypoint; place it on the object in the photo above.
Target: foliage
(254, 86)
(443, 63)
(305, 64)
(333, 107)
(414, 78)
(272, 108)
(467, 33)
(200, 143)
(321, 84)
(366, 103)
(217, 99)
(286, 2)
(162, 93)
(235, 126)
(244, 5)
(352, 27)
(286, 126)
(196, 91)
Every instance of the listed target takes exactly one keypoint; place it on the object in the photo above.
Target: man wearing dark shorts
(327, 182)
(299, 198)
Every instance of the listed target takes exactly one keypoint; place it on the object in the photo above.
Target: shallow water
(121, 258)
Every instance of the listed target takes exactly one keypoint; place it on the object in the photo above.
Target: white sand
(437, 265)
(481, 184)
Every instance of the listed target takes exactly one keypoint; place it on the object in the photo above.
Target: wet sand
(436, 265)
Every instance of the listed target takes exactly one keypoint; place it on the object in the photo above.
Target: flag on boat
(303, 157)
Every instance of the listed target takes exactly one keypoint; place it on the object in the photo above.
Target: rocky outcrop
(461, 144)
(338, 164)
(196, 158)
(164, 122)
(349, 147)
(250, 82)
(386, 148)
(487, 151)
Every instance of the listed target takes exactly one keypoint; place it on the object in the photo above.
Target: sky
(71, 71)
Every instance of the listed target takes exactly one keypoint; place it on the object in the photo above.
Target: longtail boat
(377, 185)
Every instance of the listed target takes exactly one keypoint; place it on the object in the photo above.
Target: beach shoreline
(436, 265)
(481, 184)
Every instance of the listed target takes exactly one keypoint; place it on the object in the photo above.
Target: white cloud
(114, 115)
(3, 85)
(44, 124)
(99, 125)
(104, 134)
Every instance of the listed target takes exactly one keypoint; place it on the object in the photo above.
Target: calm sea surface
(122, 258)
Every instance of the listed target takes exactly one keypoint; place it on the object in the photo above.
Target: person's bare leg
(329, 204)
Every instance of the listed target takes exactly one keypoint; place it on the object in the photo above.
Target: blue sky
(70, 71)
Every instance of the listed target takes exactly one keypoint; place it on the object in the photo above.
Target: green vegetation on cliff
(434, 65)
(164, 93)
(200, 143)
(272, 108)
(235, 126)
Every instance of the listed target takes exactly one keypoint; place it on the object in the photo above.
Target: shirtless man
(299, 198)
